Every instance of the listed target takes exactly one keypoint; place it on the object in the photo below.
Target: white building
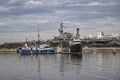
(101, 35)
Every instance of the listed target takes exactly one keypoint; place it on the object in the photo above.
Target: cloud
(25, 23)
(25, 16)
(33, 3)
(94, 3)
(21, 36)
(4, 9)
(108, 25)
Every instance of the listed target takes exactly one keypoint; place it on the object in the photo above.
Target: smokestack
(77, 31)
(77, 35)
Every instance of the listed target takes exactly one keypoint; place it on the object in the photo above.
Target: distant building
(101, 35)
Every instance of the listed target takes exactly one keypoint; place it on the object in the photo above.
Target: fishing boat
(36, 48)
(75, 45)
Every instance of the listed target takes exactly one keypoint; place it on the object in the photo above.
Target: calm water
(92, 66)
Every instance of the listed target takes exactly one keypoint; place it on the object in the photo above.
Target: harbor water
(92, 66)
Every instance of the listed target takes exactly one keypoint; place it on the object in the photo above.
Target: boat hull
(76, 49)
(30, 51)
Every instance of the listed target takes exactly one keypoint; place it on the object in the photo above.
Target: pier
(102, 49)
(86, 49)
(8, 50)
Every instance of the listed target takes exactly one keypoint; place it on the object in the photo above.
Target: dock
(8, 50)
(102, 49)
(97, 50)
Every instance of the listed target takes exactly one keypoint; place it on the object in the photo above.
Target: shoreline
(102, 49)
(8, 50)
(98, 50)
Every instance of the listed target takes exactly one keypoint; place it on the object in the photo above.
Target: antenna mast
(61, 30)
(38, 37)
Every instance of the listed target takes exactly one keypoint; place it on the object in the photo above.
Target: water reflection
(92, 66)
(69, 63)
(39, 68)
(63, 63)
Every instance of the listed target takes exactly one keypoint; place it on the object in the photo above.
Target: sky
(20, 19)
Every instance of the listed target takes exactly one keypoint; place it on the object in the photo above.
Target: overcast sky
(20, 19)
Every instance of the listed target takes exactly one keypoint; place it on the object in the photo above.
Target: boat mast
(38, 38)
(61, 30)
(26, 40)
(61, 36)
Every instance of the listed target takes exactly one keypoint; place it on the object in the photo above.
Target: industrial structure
(102, 40)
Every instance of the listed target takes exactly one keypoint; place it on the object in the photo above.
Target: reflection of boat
(75, 45)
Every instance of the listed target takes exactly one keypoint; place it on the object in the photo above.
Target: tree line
(11, 45)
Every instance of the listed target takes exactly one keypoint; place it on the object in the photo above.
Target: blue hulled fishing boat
(36, 48)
